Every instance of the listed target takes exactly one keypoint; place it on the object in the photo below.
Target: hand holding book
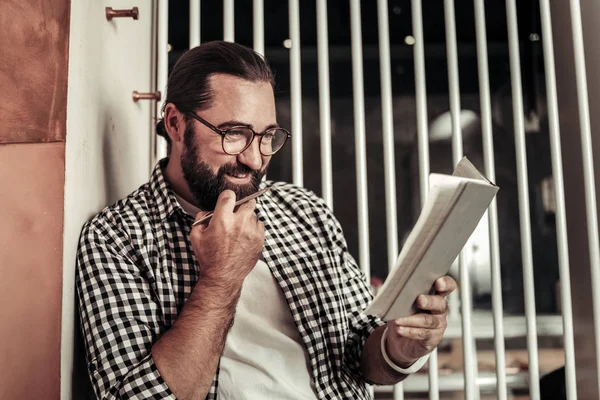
(453, 208)
(408, 339)
(416, 316)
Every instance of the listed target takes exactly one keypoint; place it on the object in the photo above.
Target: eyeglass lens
(237, 139)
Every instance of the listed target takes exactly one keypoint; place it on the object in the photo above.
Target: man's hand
(410, 338)
(227, 249)
(229, 245)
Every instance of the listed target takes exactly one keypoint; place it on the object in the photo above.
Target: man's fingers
(201, 227)
(261, 227)
(419, 334)
(225, 204)
(436, 303)
(246, 207)
(422, 320)
(445, 285)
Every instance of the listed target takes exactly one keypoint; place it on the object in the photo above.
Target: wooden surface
(34, 43)
(31, 211)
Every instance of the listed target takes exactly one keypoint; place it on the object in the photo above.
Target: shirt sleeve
(119, 317)
(357, 296)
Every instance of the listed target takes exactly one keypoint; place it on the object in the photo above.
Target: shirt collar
(188, 207)
(162, 193)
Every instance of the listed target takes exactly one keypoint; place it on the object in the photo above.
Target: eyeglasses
(237, 139)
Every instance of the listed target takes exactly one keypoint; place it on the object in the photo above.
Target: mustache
(236, 169)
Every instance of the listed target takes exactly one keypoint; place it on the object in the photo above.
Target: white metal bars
(523, 189)
(296, 92)
(228, 21)
(559, 192)
(421, 98)
(324, 103)
(423, 147)
(469, 352)
(387, 124)
(588, 166)
(258, 26)
(490, 171)
(360, 146)
(194, 23)
(387, 118)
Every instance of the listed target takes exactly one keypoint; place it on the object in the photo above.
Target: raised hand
(229, 245)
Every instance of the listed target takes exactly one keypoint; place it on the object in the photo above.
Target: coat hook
(145, 96)
(110, 13)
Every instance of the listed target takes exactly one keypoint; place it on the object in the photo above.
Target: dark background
(538, 154)
(277, 30)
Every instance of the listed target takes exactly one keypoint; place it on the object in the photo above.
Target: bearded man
(263, 301)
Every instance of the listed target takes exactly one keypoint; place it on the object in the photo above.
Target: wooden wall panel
(31, 237)
(34, 43)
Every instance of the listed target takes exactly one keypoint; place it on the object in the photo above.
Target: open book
(455, 204)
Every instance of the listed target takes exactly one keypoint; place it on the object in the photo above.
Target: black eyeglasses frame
(223, 133)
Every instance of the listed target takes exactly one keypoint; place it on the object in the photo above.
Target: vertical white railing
(360, 140)
(421, 98)
(194, 23)
(523, 188)
(324, 103)
(228, 21)
(387, 117)
(469, 352)
(559, 192)
(387, 125)
(588, 167)
(296, 92)
(162, 69)
(490, 171)
(258, 26)
(423, 147)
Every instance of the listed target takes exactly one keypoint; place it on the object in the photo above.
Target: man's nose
(251, 157)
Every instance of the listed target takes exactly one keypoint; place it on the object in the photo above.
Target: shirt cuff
(407, 371)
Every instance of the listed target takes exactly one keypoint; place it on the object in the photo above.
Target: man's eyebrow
(233, 123)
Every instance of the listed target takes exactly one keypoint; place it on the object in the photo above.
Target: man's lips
(239, 177)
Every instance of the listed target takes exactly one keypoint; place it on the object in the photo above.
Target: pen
(237, 203)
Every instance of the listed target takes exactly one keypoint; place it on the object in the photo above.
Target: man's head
(212, 88)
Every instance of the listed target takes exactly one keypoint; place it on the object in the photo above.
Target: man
(262, 301)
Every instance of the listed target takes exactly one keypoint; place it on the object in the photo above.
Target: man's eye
(267, 137)
(235, 135)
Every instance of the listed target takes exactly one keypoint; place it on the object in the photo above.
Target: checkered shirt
(136, 268)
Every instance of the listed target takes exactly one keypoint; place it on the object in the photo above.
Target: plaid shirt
(136, 268)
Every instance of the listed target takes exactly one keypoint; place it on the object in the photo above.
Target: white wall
(109, 137)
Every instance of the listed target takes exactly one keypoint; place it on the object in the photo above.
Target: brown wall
(34, 42)
(31, 269)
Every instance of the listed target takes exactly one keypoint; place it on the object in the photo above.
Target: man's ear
(174, 122)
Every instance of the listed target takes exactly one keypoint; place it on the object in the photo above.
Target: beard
(206, 186)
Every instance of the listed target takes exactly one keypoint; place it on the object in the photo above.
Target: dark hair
(188, 87)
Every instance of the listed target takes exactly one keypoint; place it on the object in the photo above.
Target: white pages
(455, 204)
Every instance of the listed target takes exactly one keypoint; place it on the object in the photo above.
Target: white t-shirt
(264, 356)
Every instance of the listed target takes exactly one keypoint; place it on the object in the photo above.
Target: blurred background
(277, 44)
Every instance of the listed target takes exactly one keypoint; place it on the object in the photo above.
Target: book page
(443, 193)
(467, 170)
(451, 212)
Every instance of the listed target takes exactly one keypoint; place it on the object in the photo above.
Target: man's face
(207, 169)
